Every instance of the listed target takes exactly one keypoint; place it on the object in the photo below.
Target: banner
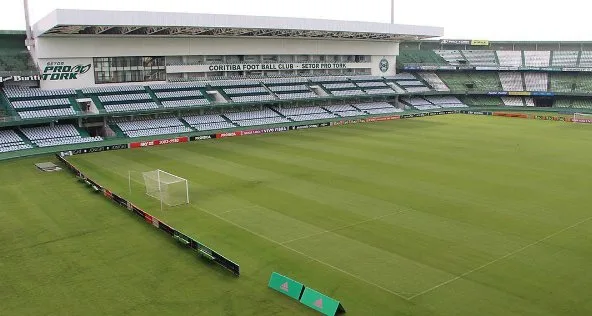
(454, 42)
(518, 115)
(577, 69)
(306, 126)
(94, 149)
(229, 134)
(383, 118)
(497, 93)
(264, 131)
(429, 67)
(202, 249)
(476, 42)
(19, 78)
(203, 137)
(519, 93)
(543, 94)
(183, 139)
(346, 122)
(221, 67)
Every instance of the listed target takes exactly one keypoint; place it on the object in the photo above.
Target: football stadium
(208, 164)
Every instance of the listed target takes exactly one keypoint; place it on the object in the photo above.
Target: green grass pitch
(448, 215)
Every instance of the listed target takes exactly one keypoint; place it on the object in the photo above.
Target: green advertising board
(286, 285)
(321, 302)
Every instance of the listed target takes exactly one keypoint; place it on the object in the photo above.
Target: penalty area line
(342, 227)
(305, 255)
(500, 258)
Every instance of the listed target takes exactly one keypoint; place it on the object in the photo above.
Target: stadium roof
(136, 23)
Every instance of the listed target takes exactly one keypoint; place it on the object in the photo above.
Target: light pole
(392, 11)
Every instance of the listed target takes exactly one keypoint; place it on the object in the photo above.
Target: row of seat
(124, 97)
(149, 124)
(47, 113)
(179, 94)
(130, 107)
(185, 103)
(516, 58)
(158, 131)
(40, 103)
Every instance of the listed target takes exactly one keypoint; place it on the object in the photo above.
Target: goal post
(582, 118)
(168, 188)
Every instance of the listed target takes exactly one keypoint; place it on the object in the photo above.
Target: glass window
(129, 69)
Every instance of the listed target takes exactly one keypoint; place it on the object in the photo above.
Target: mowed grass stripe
(319, 168)
(263, 224)
(458, 214)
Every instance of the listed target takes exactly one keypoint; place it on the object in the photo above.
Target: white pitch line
(340, 228)
(305, 255)
(500, 258)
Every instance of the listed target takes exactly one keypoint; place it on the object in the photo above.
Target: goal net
(167, 188)
(582, 118)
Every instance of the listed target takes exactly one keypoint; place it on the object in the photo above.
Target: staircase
(117, 131)
(25, 139)
(153, 96)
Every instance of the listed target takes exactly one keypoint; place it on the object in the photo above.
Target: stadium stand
(208, 122)
(408, 82)
(14, 56)
(456, 81)
(373, 85)
(565, 59)
(255, 117)
(511, 81)
(179, 95)
(420, 57)
(512, 101)
(509, 58)
(485, 81)
(480, 57)
(344, 110)
(583, 83)
(585, 103)
(453, 57)
(536, 81)
(476, 81)
(244, 91)
(482, 100)
(563, 103)
(31, 103)
(152, 127)
(46, 136)
(562, 82)
(445, 101)
(128, 107)
(528, 101)
(415, 101)
(537, 58)
(11, 141)
(377, 108)
(585, 59)
(433, 80)
(338, 86)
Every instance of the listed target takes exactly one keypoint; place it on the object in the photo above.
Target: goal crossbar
(582, 118)
(170, 189)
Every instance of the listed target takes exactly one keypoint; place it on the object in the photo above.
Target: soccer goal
(168, 188)
(582, 118)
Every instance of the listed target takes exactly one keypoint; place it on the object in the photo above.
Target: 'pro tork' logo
(59, 71)
(383, 65)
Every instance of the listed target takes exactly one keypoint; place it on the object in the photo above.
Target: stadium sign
(479, 43)
(275, 66)
(454, 42)
(58, 70)
(383, 65)
(20, 78)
